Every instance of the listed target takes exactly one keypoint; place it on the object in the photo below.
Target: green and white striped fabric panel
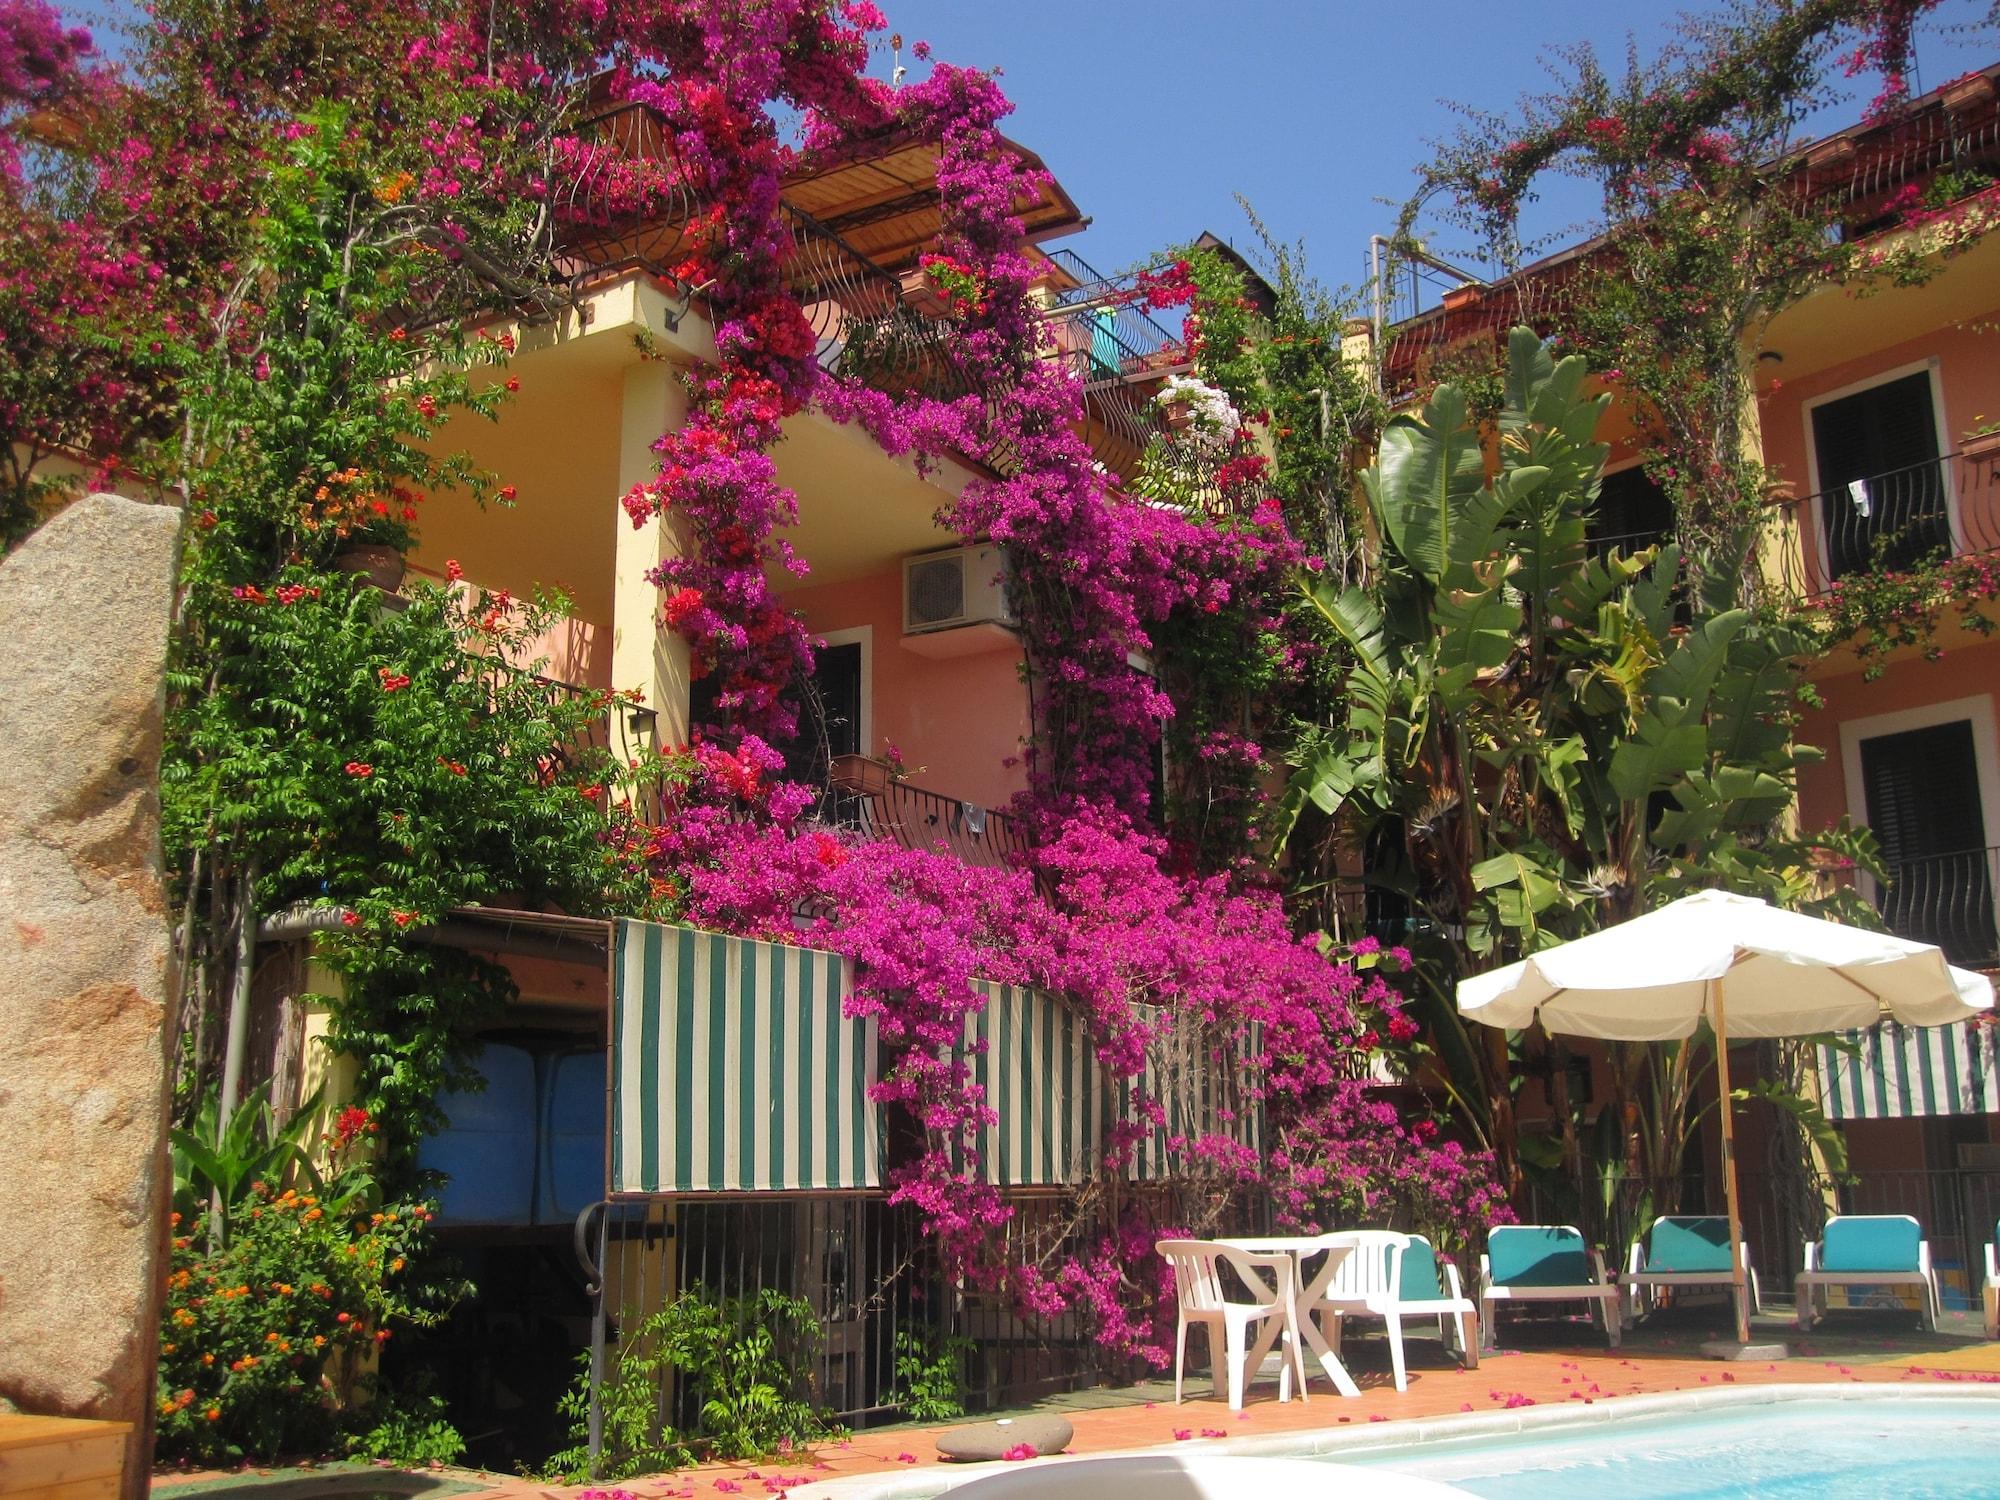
(1196, 1101)
(1041, 1076)
(1906, 1071)
(733, 1069)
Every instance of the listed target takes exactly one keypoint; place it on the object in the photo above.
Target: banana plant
(1548, 739)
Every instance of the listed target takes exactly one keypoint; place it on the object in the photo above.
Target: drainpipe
(238, 1040)
(1378, 246)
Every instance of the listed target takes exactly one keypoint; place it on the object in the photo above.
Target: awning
(1040, 1074)
(1902, 1072)
(733, 1070)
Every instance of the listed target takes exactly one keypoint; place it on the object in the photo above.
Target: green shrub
(744, 1367)
(930, 1375)
(271, 1307)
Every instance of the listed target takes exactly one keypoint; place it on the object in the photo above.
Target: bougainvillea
(1711, 221)
(363, 177)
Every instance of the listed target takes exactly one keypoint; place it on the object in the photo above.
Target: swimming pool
(1735, 1443)
(1912, 1448)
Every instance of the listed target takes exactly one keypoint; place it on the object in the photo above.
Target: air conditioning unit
(948, 590)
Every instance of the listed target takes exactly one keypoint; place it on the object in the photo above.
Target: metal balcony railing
(863, 795)
(1890, 522)
(1946, 899)
(1136, 329)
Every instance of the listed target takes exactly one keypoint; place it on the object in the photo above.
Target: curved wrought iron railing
(1889, 522)
(868, 798)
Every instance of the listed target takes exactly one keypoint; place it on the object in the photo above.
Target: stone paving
(1542, 1364)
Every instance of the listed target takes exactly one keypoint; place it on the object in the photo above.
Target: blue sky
(1154, 113)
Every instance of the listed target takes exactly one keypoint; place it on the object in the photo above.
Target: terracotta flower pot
(1981, 453)
(381, 565)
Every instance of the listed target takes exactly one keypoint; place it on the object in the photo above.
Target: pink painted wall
(570, 650)
(956, 720)
(1964, 671)
(1968, 378)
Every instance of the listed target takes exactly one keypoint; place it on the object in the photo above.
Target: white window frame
(864, 637)
(1932, 367)
(1976, 710)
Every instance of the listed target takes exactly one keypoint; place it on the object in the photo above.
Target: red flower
(350, 919)
(452, 571)
(513, 384)
(351, 1122)
(402, 918)
(681, 607)
(457, 768)
(359, 768)
(392, 680)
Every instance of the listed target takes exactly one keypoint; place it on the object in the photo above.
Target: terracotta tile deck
(1542, 1366)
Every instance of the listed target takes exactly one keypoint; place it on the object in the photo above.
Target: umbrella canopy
(1652, 979)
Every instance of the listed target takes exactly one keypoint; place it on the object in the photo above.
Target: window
(1631, 514)
(1883, 500)
(1922, 795)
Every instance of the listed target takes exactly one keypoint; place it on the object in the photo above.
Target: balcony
(865, 796)
(1890, 522)
(1946, 899)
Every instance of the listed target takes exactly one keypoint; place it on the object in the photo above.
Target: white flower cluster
(1215, 419)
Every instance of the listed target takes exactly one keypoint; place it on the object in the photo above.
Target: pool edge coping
(934, 1479)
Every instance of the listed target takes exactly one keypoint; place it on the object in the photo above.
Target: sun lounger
(1867, 1250)
(1545, 1263)
(1684, 1250)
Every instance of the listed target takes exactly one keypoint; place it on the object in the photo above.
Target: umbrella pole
(1740, 1298)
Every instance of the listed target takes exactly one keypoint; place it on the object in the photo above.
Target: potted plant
(1980, 446)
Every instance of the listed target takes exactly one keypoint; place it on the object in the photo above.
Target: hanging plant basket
(380, 565)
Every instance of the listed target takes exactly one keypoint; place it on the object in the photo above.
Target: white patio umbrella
(1658, 976)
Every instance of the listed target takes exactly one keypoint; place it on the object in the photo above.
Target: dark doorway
(1882, 487)
(829, 715)
(1922, 787)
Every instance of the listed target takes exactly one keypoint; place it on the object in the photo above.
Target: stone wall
(84, 611)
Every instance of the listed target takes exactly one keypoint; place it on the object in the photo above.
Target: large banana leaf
(1427, 470)
(1672, 739)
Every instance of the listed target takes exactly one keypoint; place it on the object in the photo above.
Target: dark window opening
(1631, 514)
(1882, 496)
(1922, 790)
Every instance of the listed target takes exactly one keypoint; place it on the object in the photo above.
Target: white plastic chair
(1202, 1292)
(1993, 1288)
(1369, 1283)
(1362, 1284)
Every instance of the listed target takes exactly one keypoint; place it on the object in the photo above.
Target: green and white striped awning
(1200, 1096)
(1900, 1072)
(1041, 1077)
(1055, 1101)
(733, 1070)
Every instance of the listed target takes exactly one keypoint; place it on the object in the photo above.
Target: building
(1869, 405)
(741, 1151)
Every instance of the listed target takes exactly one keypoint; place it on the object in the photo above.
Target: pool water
(1911, 1449)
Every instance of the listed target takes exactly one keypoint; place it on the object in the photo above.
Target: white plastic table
(1307, 1295)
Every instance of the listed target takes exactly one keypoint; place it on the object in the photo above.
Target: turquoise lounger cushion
(1869, 1242)
(1420, 1281)
(1688, 1245)
(1537, 1255)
